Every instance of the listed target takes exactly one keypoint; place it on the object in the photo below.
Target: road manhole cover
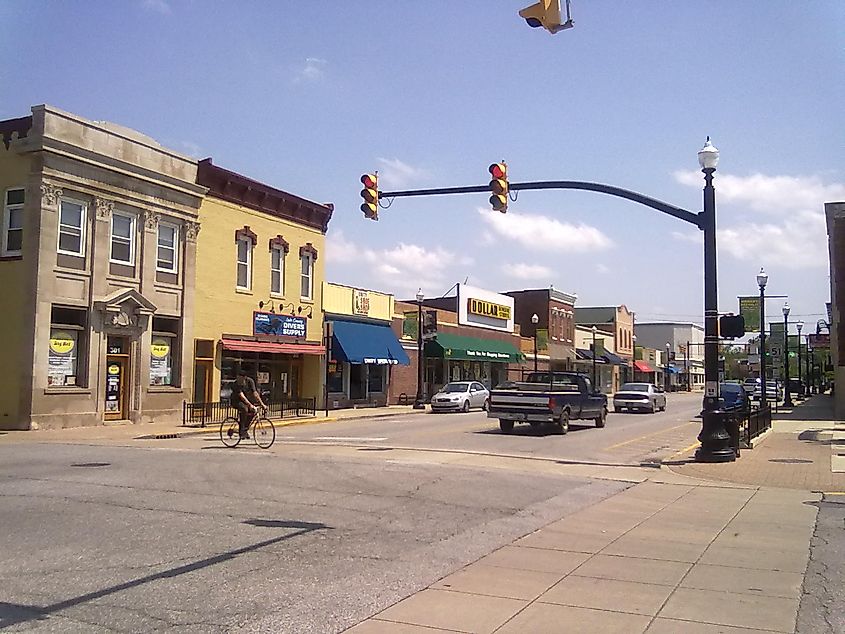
(791, 460)
(91, 464)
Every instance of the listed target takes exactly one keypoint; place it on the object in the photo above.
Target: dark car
(733, 397)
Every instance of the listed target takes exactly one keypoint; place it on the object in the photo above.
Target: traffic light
(370, 196)
(546, 13)
(499, 186)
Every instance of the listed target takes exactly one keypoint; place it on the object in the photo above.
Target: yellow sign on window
(61, 343)
(160, 348)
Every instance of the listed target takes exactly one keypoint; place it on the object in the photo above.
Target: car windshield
(455, 387)
(635, 387)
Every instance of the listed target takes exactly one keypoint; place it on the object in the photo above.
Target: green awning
(463, 348)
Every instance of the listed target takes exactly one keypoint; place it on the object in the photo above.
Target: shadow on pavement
(13, 614)
(818, 407)
(531, 431)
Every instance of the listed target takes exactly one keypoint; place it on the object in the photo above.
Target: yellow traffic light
(546, 13)
(499, 186)
(370, 196)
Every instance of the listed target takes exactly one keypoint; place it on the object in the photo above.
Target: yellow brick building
(258, 300)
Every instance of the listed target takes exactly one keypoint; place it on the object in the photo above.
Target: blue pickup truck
(547, 397)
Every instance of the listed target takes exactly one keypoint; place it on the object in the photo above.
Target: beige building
(97, 269)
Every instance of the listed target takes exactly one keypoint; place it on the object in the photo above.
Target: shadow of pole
(13, 614)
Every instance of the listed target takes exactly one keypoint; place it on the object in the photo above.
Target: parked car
(547, 397)
(750, 385)
(733, 396)
(460, 396)
(642, 397)
(796, 386)
(774, 391)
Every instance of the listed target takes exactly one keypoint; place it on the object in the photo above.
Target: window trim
(250, 245)
(310, 257)
(175, 228)
(133, 220)
(7, 218)
(281, 270)
(83, 233)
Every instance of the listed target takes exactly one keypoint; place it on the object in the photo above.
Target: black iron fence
(209, 413)
(755, 423)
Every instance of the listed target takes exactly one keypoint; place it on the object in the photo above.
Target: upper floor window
(277, 270)
(12, 239)
(244, 263)
(307, 276)
(72, 227)
(167, 257)
(122, 238)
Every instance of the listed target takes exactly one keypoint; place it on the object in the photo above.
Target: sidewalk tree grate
(165, 436)
(790, 460)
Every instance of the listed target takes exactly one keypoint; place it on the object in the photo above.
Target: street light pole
(594, 359)
(715, 440)
(800, 395)
(535, 320)
(667, 382)
(787, 398)
(633, 358)
(419, 401)
(762, 278)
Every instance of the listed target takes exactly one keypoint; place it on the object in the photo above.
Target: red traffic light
(370, 196)
(498, 170)
(370, 181)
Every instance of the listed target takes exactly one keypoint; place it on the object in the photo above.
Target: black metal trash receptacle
(733, 420)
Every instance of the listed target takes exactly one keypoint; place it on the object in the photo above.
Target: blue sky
(308, 96)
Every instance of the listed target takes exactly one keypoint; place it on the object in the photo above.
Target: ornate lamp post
(594, 358)
(535, 320)
(762, 278)
(800, 395)
(419, 401)
(633, 358)
(787, 399)
(667, 382)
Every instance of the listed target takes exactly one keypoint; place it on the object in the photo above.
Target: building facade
(258, 305)
(97, 265)
(835, 215)
(363, 349)
(555, 327)
(686, 350)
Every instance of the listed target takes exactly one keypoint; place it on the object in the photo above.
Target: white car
(643, 397)
(460, 396)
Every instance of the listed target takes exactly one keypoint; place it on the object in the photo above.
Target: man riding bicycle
(244, 396)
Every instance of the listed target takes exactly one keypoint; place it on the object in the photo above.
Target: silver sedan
(460, 396)
(639, 397)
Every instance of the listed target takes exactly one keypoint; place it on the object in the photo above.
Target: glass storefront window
(335, 377)
(375, 378)
(161, 360)
(63, 357)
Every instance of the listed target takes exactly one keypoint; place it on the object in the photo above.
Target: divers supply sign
(279, 325)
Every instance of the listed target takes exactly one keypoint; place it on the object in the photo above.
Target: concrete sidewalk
(123, 430)
(657, 558)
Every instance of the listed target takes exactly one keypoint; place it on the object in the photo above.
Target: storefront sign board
(360, 302)
(484, 309)
(279, 325)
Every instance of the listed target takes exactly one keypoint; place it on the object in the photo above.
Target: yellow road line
(685, 449)
(662, 431)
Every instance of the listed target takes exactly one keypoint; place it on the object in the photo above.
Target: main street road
(321, 531)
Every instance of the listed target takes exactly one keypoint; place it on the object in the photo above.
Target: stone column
(190, 230)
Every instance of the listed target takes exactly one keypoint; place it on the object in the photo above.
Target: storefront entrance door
(117, 379)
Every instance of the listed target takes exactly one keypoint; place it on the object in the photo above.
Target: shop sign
(263, 378)
(486, 354)
(160, 365)
(279, 325)
(379, 361)
(160, 348)
(360, 302)
(484, 309)
(821, 340)
(113, 388)
(61, 343)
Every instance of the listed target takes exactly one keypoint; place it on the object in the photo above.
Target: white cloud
(546, 234)
(604, 269)
(313, 70)
(407, 267)
(689, 236)
(791, 229)
(523, 271)
(769, 194)
(396, 174)
(339, 249)
(159, 6)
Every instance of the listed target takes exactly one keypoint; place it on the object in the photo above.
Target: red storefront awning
(642, 366)
(241, 345)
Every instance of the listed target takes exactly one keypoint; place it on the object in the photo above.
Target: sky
(308, 96)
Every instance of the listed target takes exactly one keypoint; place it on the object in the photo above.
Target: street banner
(599, 348)
(410, 325)
(819, 341)
(542, 339)
(749, 308)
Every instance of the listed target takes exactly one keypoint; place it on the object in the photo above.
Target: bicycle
(260, 427)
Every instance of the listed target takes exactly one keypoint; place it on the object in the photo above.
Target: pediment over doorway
(125, 308)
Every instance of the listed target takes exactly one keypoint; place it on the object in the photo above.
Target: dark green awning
(462, 348)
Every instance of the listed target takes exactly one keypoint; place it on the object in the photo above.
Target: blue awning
(370, 344)
(582, 354)
(613, 358)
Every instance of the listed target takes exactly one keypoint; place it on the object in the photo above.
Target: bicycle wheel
(230, 432)
(263, 432)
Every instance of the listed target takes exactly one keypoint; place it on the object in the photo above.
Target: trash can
(733, 420)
